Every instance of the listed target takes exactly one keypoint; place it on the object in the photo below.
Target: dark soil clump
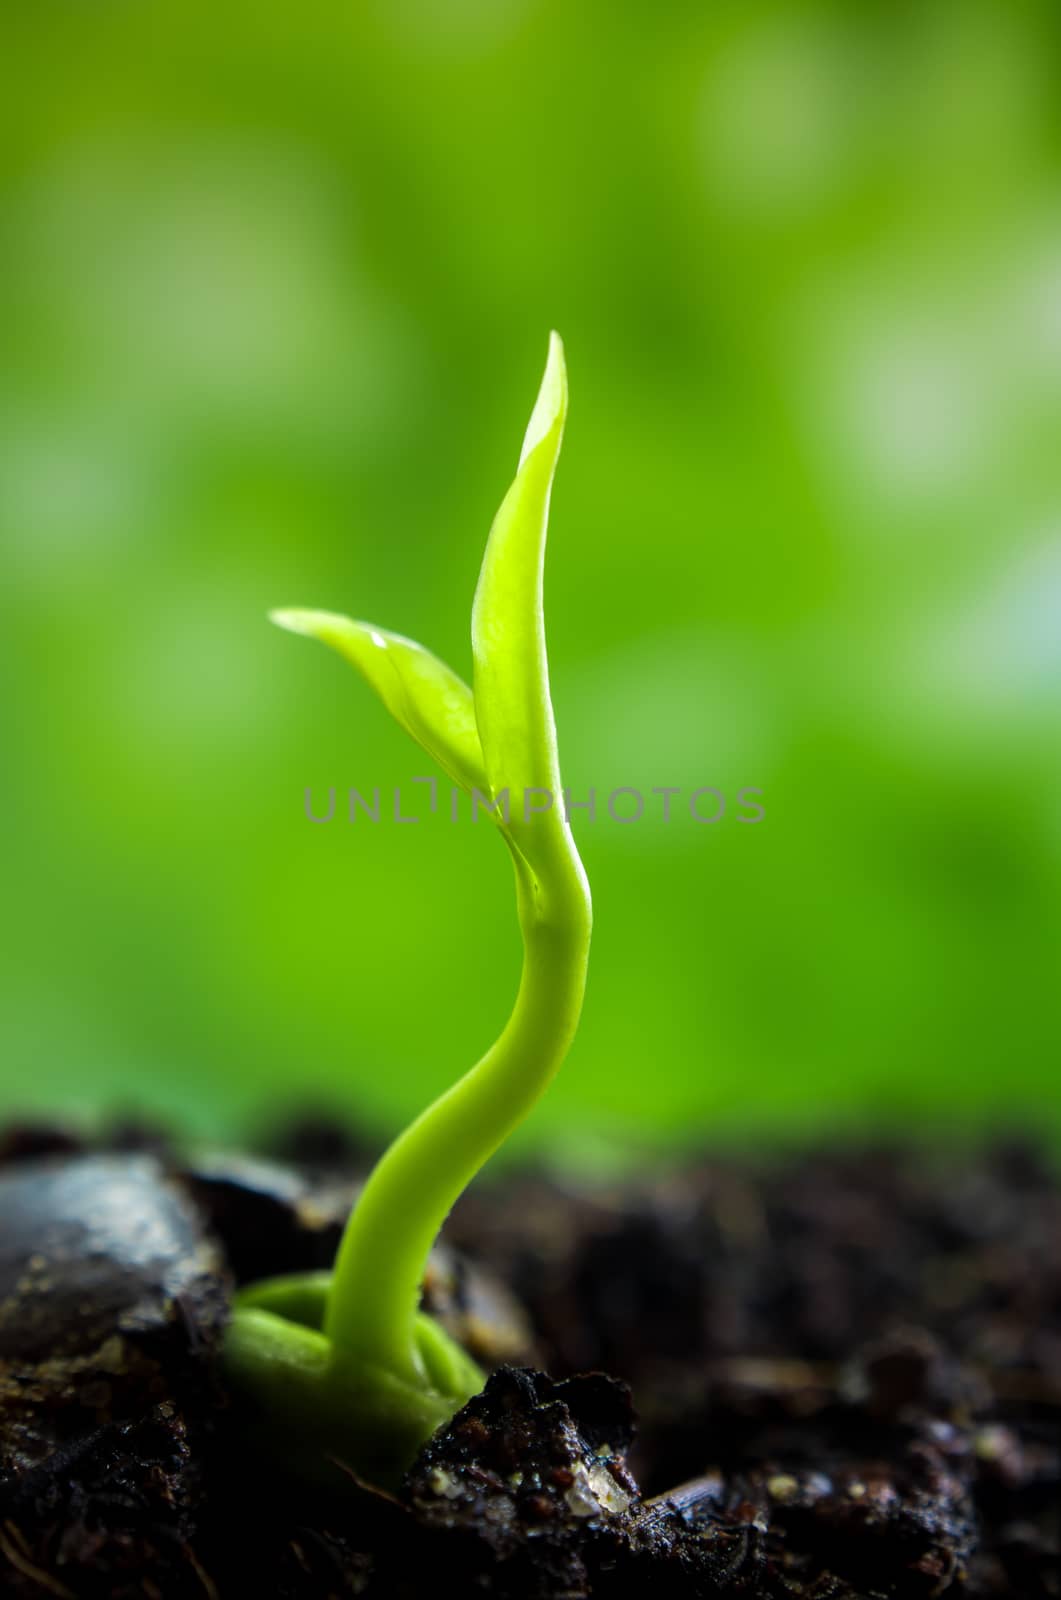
(846, 1373)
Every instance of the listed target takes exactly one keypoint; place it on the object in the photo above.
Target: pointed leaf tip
(295, 621)
(550, 408)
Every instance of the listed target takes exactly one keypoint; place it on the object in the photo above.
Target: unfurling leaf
(421, 693)
(511, 677)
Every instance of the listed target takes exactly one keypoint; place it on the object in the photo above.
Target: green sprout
(345, 1364)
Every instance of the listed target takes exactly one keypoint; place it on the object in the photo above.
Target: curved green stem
(378, 1272)
(379, 1376)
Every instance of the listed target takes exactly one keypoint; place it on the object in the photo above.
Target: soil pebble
(112, 1299)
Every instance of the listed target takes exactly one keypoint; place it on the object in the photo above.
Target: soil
(833, 1376)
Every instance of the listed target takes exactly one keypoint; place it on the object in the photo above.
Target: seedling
(345, 1364)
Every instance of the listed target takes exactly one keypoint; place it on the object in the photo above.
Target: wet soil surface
(834, 1376)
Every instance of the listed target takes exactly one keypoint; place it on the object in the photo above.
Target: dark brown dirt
(846, 1371)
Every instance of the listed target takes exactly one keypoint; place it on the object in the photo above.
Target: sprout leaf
(513, 710)
(421, 693)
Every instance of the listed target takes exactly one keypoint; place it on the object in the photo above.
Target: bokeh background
(275, 286)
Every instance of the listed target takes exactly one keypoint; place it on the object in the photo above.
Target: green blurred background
(275, 287)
